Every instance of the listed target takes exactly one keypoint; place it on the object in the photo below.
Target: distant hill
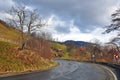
(76, 43)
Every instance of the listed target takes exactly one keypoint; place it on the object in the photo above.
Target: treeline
(95, 52)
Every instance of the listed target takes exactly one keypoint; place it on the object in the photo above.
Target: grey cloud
(62, 29)
(86, 13)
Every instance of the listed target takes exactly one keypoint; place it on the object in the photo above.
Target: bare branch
(23, 18)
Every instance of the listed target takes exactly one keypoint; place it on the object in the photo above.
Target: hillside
(14, 60)
(8, 33)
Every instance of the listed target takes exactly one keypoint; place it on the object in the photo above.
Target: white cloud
(86, 13)
(78, 36)
(55, 25)
(6, 4)
(75, 33)
(74, 18)
(53, 20)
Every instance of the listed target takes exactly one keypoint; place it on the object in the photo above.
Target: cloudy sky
(81, 20)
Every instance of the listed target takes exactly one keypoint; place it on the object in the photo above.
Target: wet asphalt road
(67, 70)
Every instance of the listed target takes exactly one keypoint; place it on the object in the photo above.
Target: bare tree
(39, 44)
(18, 19)
(34, 21)
(95, 49)
(115, 25)
(23, 18)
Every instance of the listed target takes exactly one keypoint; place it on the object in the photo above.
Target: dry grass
(14, 60)
(9, 34)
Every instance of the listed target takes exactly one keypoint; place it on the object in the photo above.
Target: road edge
(108, 69)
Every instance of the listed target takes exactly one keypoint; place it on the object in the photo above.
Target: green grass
(9, 34)
(57, 46)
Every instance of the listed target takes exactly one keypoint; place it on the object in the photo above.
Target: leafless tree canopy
(115, 25)
(24, 19)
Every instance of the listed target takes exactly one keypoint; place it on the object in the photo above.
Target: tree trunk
(23, 40)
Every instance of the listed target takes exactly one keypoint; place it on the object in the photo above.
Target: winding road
(68, 70)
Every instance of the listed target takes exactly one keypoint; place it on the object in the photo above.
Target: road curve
(68, 70)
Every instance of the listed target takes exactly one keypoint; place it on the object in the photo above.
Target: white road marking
(111, 72)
